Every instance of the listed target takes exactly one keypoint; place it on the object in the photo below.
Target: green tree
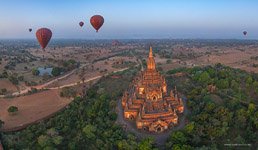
(212, 72)
(255, 85)
(12, 109)
(222, 84)
(204, 77)
(222, 74)
(189, 128)
(89, 131)
(239, 140)
(241, 118)
(234, 85)
(57, 140)
(35, 72)
(44, 141)
(251, 109)
(146, 144)
(123, 145)
(176, 138)
(56, 71)
(181, 147)
(249, 81)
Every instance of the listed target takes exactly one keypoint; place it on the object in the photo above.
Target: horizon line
(251, 39)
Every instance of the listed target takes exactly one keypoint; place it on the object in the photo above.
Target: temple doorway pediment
(158, 126)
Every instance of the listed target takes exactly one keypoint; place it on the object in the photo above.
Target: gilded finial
(150, 53)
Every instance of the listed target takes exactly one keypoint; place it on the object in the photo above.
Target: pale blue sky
(131, 18)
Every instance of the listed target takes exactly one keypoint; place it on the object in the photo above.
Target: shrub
(35, 72)
(12, 110)
(56, 71)
(3, 91)
(68, 92)
(13, 79)
(1, 123)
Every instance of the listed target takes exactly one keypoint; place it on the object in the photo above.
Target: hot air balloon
(96, 21)
(245, 32)
(30, 29)
(43, 35)
(81, 23)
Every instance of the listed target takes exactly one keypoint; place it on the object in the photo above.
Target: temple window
(141, 90)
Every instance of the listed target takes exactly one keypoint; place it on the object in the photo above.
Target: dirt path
(80, 82)
(35, 107)
(43, 86)
(27, 88)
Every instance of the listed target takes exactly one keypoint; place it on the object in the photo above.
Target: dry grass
(31, 108)
(4, 83)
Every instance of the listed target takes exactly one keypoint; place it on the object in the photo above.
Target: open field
(237, 56)
(31, 108)
(7, 85)
(83, 55)
(232, 58)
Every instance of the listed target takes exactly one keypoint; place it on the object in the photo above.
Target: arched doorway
(145, 128)
(154, 98)
(159, 129)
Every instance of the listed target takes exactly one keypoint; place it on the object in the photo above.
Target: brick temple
(148, 102)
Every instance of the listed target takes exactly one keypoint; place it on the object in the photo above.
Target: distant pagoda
(148, 102)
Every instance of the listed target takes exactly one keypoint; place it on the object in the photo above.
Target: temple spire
(150, 53)
(151, 62)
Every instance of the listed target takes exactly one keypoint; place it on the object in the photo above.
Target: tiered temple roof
(147, 102)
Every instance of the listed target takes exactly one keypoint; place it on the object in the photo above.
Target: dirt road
(36, 106)
(43, 86)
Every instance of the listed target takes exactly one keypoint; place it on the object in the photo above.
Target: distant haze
(126, 19)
